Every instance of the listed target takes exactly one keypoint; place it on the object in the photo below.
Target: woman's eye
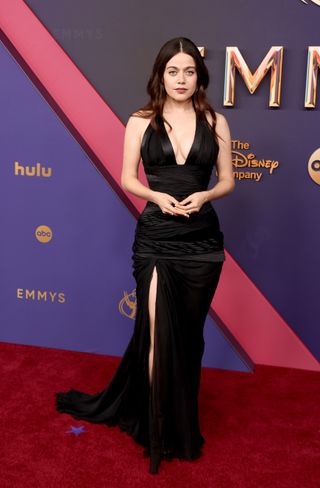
(189, 72)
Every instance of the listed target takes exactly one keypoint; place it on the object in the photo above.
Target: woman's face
(180, 77)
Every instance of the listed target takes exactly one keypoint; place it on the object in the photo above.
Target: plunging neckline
(168, 147)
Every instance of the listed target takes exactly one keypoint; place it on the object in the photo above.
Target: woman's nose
(181, 78)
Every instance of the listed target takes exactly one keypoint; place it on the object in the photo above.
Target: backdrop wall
(69, 284)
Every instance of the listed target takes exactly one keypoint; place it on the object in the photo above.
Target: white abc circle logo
(43, 233)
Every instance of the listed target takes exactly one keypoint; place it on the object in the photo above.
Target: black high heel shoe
(155, 459)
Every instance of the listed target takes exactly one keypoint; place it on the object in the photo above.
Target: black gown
(188, 253)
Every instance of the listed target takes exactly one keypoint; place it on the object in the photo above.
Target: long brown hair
(156, 89)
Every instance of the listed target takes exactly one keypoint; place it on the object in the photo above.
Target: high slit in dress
(188, 253)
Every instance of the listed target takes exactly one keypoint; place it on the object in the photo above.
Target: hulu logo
(37, 170)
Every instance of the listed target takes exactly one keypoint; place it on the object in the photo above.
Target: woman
(178, 255)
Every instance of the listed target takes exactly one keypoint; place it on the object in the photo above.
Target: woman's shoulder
(138, 123)
(139, 119)
(142, 114)
(220, 118)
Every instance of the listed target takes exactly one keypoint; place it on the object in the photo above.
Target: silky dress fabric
(188, 254)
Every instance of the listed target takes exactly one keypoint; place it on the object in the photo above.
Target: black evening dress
(188, 254)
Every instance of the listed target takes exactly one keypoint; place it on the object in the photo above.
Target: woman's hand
(168, 204)
(194, 202)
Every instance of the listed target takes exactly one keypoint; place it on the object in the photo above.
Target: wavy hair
(156, 89)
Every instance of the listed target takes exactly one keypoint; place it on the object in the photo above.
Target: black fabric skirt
(162, 416)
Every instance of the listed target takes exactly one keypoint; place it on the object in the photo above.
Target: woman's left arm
(225, 183)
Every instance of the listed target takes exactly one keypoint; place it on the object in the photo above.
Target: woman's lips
(181, 89)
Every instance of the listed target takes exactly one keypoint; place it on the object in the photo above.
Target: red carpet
(262, 430)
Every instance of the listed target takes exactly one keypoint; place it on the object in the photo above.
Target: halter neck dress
(164, 235)
(188, 253)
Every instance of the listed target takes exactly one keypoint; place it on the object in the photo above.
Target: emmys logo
(40, 296)
(314, 166)
(43, 233)
(316, 2)
(247, 161)
(128, 304)
(37, 170)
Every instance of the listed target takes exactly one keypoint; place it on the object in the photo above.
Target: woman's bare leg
(152, 313)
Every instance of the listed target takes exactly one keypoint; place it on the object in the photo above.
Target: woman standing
(178, 254)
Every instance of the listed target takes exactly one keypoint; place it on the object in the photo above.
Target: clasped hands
(188, 205)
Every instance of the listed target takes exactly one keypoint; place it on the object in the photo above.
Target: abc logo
(314, 166)
(43, 233)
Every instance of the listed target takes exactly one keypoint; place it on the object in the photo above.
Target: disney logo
(239, 160)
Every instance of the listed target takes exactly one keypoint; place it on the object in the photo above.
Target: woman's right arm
(131, 158)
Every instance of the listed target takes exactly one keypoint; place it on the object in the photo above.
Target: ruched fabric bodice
(170, 236)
